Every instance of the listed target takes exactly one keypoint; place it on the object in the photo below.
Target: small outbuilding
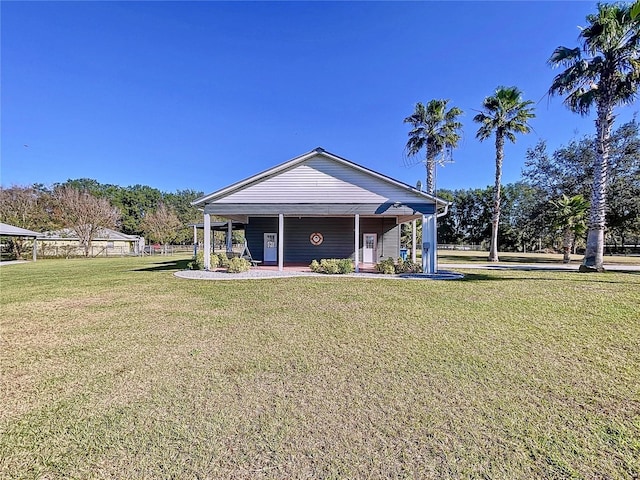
(107, 242)
(319, 205)
(7, 230)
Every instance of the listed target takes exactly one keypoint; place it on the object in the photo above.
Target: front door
(369, 246)
(270, 248)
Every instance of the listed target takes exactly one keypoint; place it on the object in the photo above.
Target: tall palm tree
(604, 72)
(435, 129)
(569, 213)
(504, 114)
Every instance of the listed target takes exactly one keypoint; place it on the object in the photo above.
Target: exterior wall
(337, 232)
(254, 234)
(388, 236)
(322, 180)
(72, 247)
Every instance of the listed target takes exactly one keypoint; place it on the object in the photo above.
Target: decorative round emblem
(316, 238)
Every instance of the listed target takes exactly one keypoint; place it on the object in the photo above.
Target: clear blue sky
(199, 95)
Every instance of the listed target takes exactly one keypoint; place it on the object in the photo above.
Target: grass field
(471, 256)
(114, 368)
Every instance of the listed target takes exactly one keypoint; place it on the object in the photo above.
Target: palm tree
(604, 72)
(506, 114)
(569, 213)
(435, 129)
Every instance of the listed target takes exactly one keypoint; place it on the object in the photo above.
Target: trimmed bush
(197, 262)
(223, 260)
(387, 267)
(407, 266)
(237, 265)
(332, 266)
(345, 265)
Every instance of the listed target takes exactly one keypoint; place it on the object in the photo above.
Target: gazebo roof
(12, 231)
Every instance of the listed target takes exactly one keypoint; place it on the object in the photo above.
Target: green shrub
(332, 266)
(388, 266)
(407, 266)
(237, 265)
(197, 262)
(223, 260)
(345, 266)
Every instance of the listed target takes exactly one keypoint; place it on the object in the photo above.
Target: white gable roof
(318, 177)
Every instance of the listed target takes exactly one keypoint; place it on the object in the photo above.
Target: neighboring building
(107, 242)
(7, 230)
(319, 205)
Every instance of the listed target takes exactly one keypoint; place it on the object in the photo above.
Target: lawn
(114, 368)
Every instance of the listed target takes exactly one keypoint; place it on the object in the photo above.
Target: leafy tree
(29, 207)
(570, 218)
(84, 213)
(569, 171)
(504, 114)
(162, 225)
(435, 130)
(604, 72)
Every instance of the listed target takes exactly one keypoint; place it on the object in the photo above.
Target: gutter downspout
(446, 210)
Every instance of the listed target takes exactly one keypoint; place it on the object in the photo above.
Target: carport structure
(7, 230)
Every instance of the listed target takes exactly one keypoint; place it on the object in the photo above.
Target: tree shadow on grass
(165, 266)
(575, 276)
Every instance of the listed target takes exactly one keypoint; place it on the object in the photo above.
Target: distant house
(65, 243)
(319, 205)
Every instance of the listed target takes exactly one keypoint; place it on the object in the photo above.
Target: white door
(270, 248)
(369, 245)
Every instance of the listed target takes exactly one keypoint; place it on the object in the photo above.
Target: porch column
(207, 241)
(356, 255)
(229, 236)
(195, 240)
(414, 233)
(429, 244)
(35, 248)
(280, 241)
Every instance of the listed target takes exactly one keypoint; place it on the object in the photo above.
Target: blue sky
(197, 95)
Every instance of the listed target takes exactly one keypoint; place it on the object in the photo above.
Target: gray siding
(388, 236)
(254, 234)
(321, 179)
(338, 240)
(338, 233)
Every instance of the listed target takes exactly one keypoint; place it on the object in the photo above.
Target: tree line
(547, 208)
(86, 206)
(602, 73)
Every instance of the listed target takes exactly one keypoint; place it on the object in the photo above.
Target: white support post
(229, 236)
(195, 240)
(356, 255)
(280, 241)
(414, 233)
(429, 244)
(35, 248)
(207, 241)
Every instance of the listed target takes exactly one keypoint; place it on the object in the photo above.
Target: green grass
(117, 369)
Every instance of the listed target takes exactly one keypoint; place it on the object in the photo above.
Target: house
(319, 205)
(66, 243)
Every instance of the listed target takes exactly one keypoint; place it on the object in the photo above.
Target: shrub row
(233, 265)
(389, 267)
(332, 266)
